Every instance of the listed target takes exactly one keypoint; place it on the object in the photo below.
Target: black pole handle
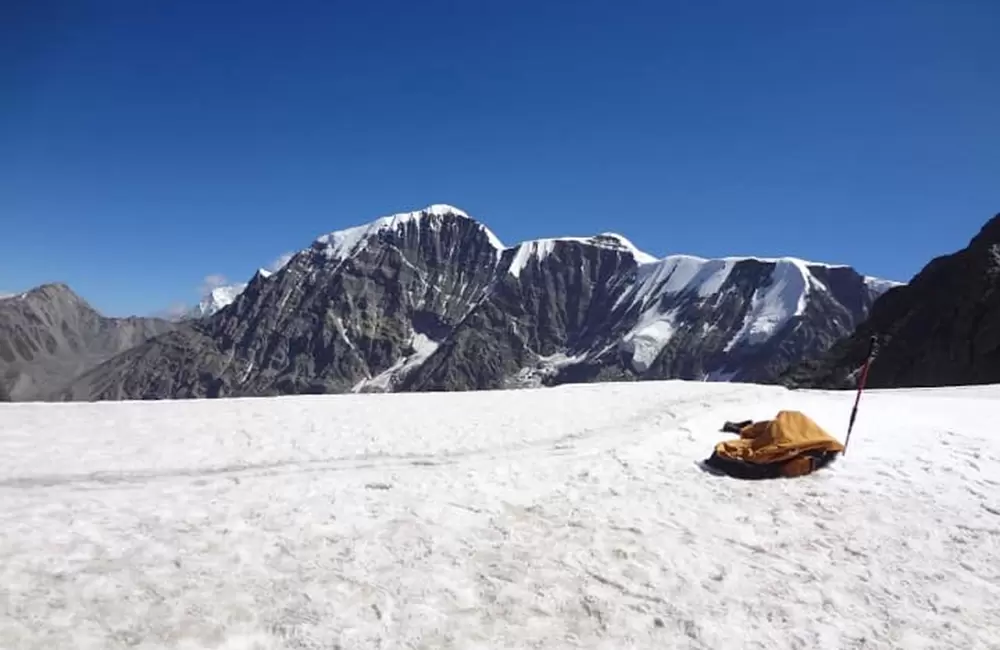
(872, 352)
(873, 344)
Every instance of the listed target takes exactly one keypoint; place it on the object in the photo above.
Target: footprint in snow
(974, 492)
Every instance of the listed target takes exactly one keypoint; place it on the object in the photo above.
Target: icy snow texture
(684, 273)
(645, 342)
(776, 303)
(688, 273)
(574, 517)
(782, 298)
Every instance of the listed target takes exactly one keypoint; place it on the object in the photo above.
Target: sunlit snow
(570, 517)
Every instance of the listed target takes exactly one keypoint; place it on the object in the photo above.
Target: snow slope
(423, 347)
(777, 303)
(784, 296)
(573, 517)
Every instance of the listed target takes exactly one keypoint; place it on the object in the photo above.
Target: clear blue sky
(146, 145)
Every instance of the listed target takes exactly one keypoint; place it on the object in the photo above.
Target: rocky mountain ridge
(433, 300)
(942, 328)
(49, 336)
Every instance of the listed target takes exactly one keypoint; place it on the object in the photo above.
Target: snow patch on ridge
(423, 347)
(773, 305)
(539, 249)
(545, 366)
(646, 341)
(678, 274)
(880, 286)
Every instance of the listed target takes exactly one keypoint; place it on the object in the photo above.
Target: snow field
(573, 517)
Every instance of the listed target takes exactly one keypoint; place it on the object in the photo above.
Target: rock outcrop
(942, 328)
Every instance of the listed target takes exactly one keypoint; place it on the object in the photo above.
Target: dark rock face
(558, 298)
(743, 330)
(324, 323)
(432, 301)
(338, 316)
(943, 328)
(50, 335)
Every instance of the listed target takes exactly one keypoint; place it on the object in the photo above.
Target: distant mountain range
(49, 335)
(432, 300)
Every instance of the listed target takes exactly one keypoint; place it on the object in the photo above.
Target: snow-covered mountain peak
(621, 242)
(685, 271)
(343, 243)
(441, 209)
(539, 249)
(217, 299)
(222, 296)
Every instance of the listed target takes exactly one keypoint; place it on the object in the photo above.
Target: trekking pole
(872, 351)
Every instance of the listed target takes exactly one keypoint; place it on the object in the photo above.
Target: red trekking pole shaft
(872, 348)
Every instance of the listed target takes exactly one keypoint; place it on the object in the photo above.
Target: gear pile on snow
(789, 445)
